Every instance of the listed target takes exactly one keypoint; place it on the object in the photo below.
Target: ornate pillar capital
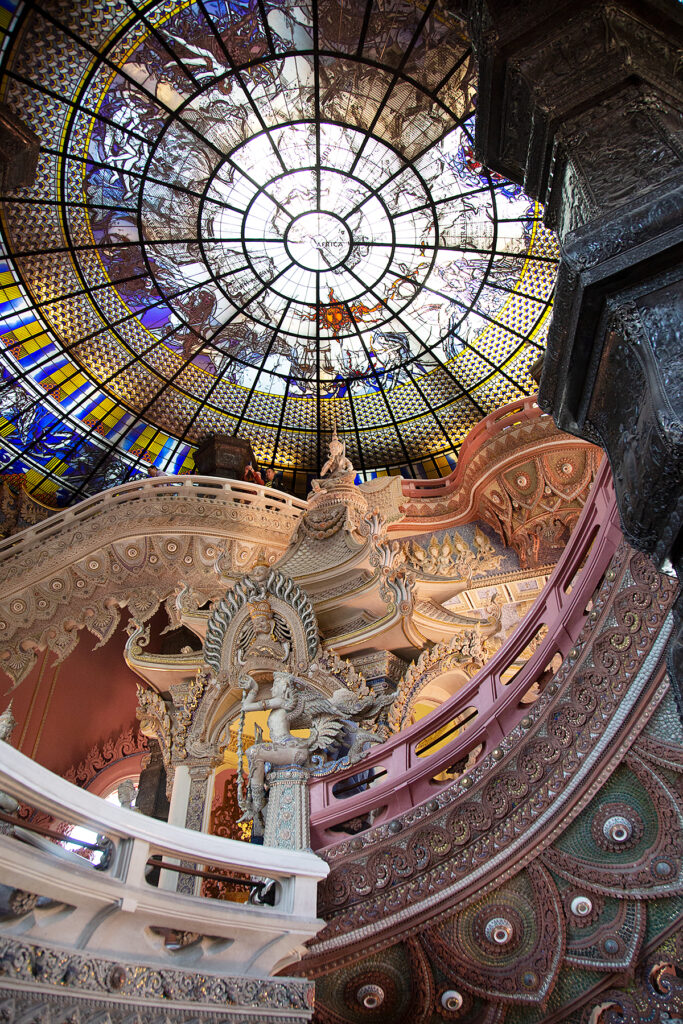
(572, 84)
(583, 104)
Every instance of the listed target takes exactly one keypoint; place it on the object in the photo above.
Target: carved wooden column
(582, 102)
(152, 799)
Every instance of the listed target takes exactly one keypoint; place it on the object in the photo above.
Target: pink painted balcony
(495, 423)
(404, 772)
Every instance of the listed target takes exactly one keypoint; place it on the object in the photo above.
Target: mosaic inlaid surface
(256, 218)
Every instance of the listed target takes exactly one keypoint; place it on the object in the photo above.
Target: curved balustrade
(495, 423)
(113, 909)
(561, 609)
(201, 487)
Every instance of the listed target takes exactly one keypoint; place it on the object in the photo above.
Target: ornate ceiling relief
(544, 868)
(506, 948)
(398, 986)
(132, 551)
(17, 509)
(529, 482)
(534, 506)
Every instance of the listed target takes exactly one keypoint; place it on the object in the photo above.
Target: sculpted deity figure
(263, 642)
(337, 463)
(294, 704)
(282, 749)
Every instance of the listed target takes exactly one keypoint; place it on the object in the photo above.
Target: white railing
(115, 908)
(167, 487)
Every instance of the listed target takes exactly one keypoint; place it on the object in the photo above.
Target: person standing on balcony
(252, 476)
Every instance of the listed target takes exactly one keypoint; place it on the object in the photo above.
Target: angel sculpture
(293, 704)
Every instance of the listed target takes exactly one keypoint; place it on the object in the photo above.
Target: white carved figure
(337, 464)
(282, 749)
(294, 704)
(7, 723)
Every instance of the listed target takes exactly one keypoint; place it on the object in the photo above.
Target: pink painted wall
(64, 710)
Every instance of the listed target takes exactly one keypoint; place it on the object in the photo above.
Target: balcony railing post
(138, 855)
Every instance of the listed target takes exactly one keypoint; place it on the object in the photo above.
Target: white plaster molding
(112, 911)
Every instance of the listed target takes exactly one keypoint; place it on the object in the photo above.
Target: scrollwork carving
(31, 964)
(262, 584)
(499, 809)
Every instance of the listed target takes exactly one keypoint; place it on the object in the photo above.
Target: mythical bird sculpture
(336, 723)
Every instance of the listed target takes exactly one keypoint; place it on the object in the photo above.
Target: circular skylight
(261, 219)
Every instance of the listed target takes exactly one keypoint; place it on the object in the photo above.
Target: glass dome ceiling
(256, 218)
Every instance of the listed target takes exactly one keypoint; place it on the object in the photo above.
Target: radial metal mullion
(317, 375)
(178, 186)
(316, 96)
(180, 370)
(76, 108)
(167, 384)
(349, 391)
(475, 312)
(238, 75)
(28, 374)
(431, 411)
(394, 79)
(378, 381)
(364, 28)
(281, 419)
(269, 347)
(154, 31)
(449, 74)
(266, 26)
(425, 349)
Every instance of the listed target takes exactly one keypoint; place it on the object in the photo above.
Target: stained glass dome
(256, 218)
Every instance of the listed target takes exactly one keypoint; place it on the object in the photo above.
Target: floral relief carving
(17, 508)
(466, 650)
(89, 593)
(653, 993)
(452, 556)
(507, 946)
(54, 969)
(388, 871)
(611, 938)
(398, 987)
(130, 741)
(651, 863)
(529, 483)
